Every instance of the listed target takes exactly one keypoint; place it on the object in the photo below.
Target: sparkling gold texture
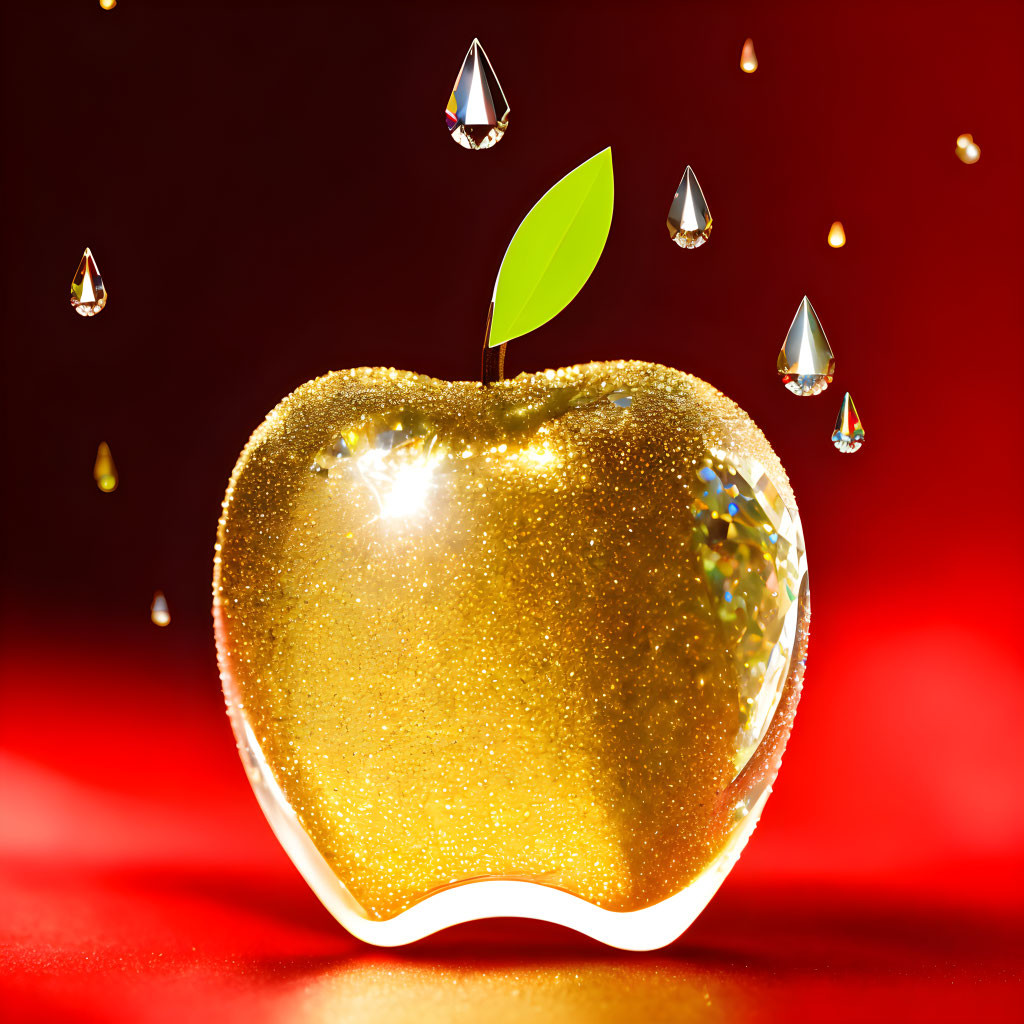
(689, 220)
(477, 111)
(88, 293)
(549, 630)
(806, 363)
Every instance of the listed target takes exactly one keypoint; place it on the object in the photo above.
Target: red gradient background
(270, 194)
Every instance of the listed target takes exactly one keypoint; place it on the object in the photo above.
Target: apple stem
(492, 360)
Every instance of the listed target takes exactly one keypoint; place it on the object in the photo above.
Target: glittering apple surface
(548, 631)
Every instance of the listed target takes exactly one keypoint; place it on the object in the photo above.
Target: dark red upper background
(270, 194)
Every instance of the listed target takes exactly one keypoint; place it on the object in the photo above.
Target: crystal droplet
(689, 221)
(159, 613)
(836, 235)
(967, 149)
(477, 112)
(806, 363)
(748, 58)
(849, 433)
(103, 471)
(88, 294)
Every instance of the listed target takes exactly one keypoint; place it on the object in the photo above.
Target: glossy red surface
(269, 192)
(140, 882)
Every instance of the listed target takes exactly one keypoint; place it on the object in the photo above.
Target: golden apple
(531, 648)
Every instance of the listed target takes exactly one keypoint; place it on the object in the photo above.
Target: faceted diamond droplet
(103, 471)
(748, 58)
(689, 221)
(967, 149)
(749, 543)
(477, 112)
(159, 613)
(836, 235)
(88, 294)
(849, 432)
(806, 363)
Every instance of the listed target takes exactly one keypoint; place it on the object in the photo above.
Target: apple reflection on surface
(563, 993)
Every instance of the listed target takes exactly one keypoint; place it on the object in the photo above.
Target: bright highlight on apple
(400, 487)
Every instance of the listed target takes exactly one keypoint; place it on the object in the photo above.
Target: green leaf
(554, 250)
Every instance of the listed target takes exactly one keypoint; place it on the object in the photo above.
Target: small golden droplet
(967, 149)
(158, 610)
(849, 433)
(748, 58)
(806, 363)
(108, 5)
(104, 472)
(88, 293)
(836, 235)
